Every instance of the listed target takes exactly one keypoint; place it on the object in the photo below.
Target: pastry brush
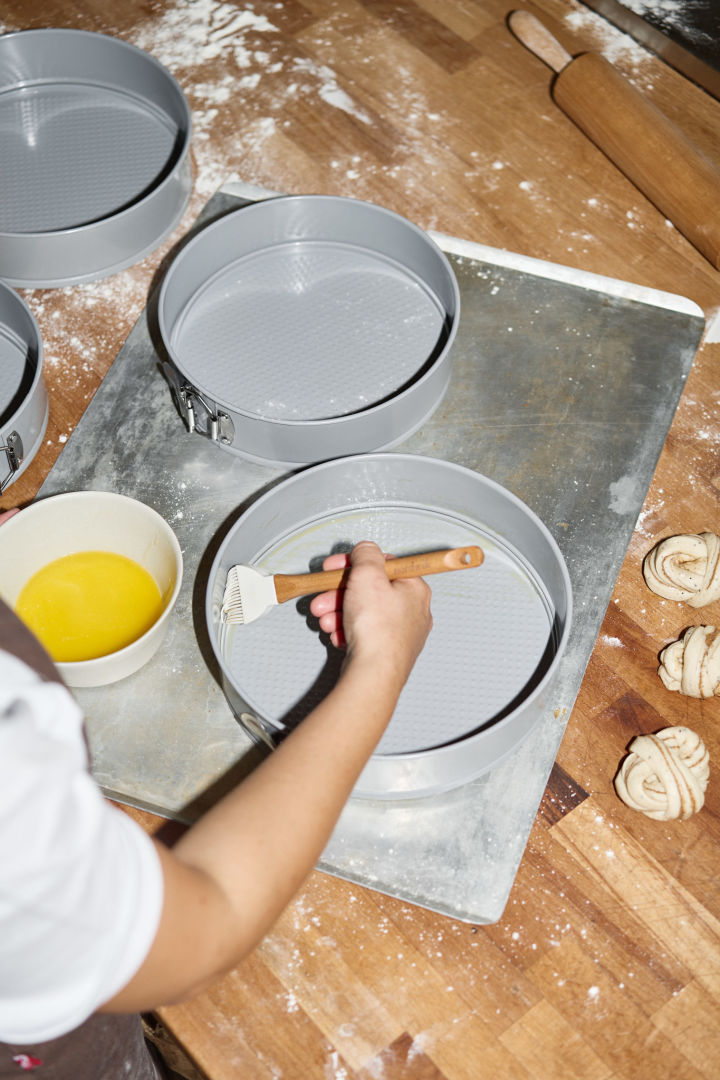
(250, 592)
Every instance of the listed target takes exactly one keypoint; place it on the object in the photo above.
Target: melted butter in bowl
(96, 576)
(89, 604)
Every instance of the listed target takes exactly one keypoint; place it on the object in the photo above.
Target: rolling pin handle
(638, 138)
(538, 39)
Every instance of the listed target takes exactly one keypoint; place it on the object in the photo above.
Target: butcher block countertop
(606, 961)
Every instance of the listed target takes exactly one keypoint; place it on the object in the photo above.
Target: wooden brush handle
(639, 139)
(288, 586)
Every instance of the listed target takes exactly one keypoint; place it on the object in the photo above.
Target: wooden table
(606, 962)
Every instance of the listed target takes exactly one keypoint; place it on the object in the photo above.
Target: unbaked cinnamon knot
(665, 775)
(685, 568)
(691, 665)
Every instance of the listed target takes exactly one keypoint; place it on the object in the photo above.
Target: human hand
(5, 514)
(375, 619)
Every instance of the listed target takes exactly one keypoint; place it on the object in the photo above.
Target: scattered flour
(333, 1069)
(219, 54)
(623, 494)
(618, 48)
(328, 89)
(188, 35)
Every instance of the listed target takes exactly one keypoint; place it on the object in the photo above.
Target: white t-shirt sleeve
(81, 885)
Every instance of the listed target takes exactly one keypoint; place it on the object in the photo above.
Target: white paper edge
(568, 275)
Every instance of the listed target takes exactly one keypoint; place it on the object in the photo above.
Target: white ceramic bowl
(94, 521)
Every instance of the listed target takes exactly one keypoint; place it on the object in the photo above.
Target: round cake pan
(485, 677)
(95, 169)
(23, 396)
(308, 327)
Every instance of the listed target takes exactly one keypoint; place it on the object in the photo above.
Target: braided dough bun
(691, 665)
(665, 775)
(685, 568)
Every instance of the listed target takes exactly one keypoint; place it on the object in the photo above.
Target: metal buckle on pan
(212, 423)
(14, 454)
(256, 729)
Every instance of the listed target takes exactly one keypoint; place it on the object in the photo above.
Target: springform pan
(95, 169)
(307, 327)
(485, 677)
(23, 395)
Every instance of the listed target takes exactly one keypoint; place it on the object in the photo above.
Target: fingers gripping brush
(249, 593)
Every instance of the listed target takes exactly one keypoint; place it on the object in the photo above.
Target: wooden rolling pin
(647, 147)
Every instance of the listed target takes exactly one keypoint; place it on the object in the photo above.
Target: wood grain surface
(606, 962)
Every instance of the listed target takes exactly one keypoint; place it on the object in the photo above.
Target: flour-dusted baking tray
(564, 386)
(95, 169)
(487, 672)
(308, 327)
(23, 396)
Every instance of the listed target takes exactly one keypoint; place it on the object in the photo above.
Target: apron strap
(16, 639)
(105, 1047)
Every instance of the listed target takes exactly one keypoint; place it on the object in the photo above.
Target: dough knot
(665, 775)
(691, 665)
(685, 568)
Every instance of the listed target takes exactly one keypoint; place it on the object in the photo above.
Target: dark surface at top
(685, 33)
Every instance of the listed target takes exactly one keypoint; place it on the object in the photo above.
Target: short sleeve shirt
(80, 882)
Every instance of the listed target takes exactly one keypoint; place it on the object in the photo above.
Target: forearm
(281, 817)
(231, 875)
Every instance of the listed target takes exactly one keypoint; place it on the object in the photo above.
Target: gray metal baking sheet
(563, 388)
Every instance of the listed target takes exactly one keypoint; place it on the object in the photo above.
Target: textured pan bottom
(94, 169)
(492, 629)
(53, 125)
(308, 330)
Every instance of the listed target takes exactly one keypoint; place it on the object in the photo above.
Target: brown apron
(105, 1047)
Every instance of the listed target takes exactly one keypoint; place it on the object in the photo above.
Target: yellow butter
(89, 604)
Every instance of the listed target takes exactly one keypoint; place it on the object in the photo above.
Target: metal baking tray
(308, 327)
(23, 395)
(563, 388)
(484, 678)
(95, 169)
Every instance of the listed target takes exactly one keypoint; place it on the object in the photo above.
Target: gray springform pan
(485, 677)
(307, 327)
(95, 169)
(23, 396)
